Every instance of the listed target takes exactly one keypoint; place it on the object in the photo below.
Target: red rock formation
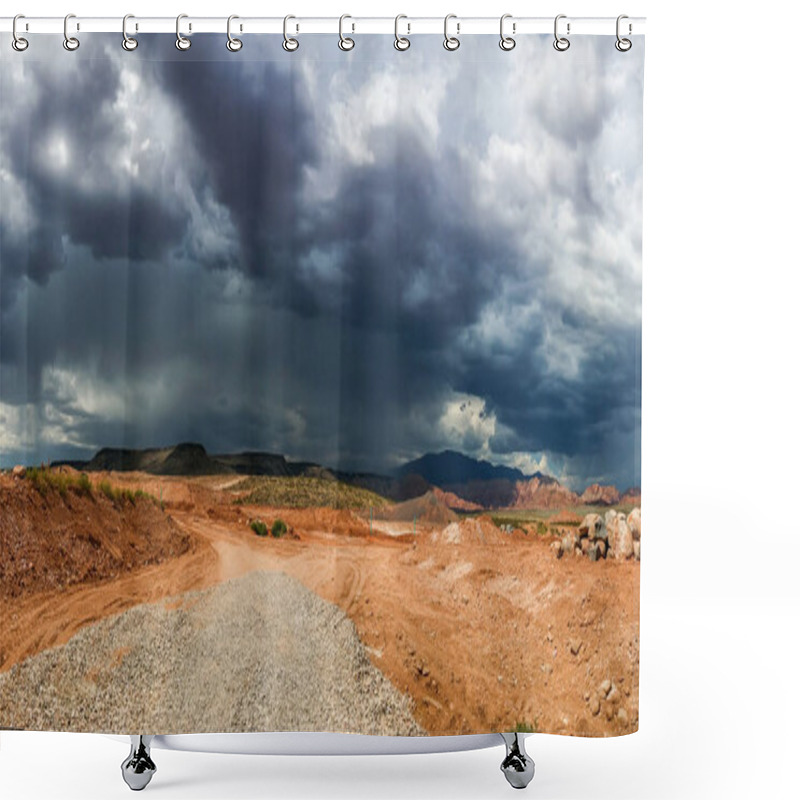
(452, 500)
(544, 494)
(597, 495)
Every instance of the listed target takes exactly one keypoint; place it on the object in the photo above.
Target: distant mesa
(182, 459)
(453, 480)
(188, 458)
(255, 464)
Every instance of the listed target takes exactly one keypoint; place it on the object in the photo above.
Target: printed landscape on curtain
(320, 386)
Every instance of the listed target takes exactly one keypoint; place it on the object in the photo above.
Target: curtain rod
(516, 26)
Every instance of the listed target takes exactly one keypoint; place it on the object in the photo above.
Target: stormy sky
(354, 258)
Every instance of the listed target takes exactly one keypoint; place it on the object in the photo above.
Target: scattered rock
(637, 550)
(593, 527)
(622, 716)
(635, 524)
(605, 687)
(594, 705)
(575, 646)
(557, 548)
(620, 541)
(611, 529)
(18, 471)
(624, 548)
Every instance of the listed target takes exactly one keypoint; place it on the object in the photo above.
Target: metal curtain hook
(17, 42)
(561, 43)
(451, 42)
(233, 44)
(401, 42)
(70, 42)
(507, 42)
(345, 42)
(129, 43)
(623, 45)
(289, 44)
(181, 42)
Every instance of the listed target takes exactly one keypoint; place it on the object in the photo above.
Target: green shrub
(541, 528)
(259, 527)
(279, 528)
(526, 727)
(45, 479)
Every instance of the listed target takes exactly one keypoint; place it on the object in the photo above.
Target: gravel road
(258, 653)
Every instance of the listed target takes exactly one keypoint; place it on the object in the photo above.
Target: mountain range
(464, 483)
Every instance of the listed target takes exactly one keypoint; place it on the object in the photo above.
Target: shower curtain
(320, 385)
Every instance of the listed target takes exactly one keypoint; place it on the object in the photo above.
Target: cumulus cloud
(348, 259)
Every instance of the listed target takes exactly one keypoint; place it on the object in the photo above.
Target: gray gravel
(259, 653)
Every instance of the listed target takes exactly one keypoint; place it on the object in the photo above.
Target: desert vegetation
(47, 479)
(303, 492)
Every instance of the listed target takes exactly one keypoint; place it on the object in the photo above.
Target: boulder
(593, 527)
(610, 524)
(637, 550)
(601, 548)
(557, 548)
(623, 546)
(635, 524)
(568, 543)
(18, 471)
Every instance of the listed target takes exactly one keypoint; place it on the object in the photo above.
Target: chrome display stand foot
(517, 766)
(138, 768)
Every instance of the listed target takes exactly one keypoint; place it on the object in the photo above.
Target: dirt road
(256, 653)
(482, 637)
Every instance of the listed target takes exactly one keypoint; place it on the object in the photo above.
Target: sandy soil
(483, 635)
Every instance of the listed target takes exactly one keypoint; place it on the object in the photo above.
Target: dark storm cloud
(352, 260)
(72, 106)
(253, 133)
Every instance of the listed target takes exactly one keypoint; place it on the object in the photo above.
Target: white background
(720, 600)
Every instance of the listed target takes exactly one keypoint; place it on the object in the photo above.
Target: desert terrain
(429, 618)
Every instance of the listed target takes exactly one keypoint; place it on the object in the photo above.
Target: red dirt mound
(474, 530)
(428, 508)
(51, 539)
(454, 501)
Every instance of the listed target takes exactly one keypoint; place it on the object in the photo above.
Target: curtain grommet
(289, 44)
(71, 43)
(507, 43)
(401, 43)
(451, 43)
(561, 43)
(181, 41)
(622, 44)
